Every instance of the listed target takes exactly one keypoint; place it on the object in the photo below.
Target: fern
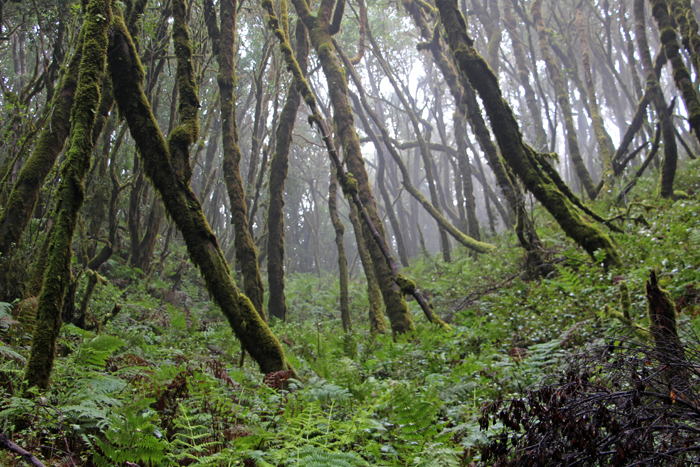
(321, 390)
(6, 319)
(314, 457)
(132, 437)
(415, 417)
(694, 237)
(8, 353)
(192, 441)
(438, 457)
(98, 350)
(570, 280)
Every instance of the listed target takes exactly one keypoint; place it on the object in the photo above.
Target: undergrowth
(164, 383)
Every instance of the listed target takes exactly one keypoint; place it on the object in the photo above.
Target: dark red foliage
(623, 405)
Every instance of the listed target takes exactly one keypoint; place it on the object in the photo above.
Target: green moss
(406, 285)
(509, 138)
(249, 327)
(350, 186)
(70, 194)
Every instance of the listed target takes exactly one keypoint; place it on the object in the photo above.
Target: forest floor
(163, 383)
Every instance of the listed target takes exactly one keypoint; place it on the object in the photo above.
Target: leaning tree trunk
(656, 95)
(71, 193)
(523, 160)
(320, 35)
(246, 253)
(25, 192)
(172, 182)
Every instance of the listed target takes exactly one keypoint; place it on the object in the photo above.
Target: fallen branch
(6, 443)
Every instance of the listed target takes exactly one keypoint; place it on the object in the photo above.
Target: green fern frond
(9, 354)
(132, 437)
(314, 457)
(414, 416)
(98, 350)
(694, 237)
(438, 457)
(570, 281)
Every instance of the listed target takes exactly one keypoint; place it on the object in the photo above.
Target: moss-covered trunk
(681, 75)
(182, 204)
(522, 159)
(279, 167)
(25, 192)
(342, 257)
(377, 322)
(605, 144)
(563, 99)
(656, 96)
(320, 39)
(246, 253)
(70, 196)
(664, 330)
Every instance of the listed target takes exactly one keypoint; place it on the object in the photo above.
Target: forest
(349, 233)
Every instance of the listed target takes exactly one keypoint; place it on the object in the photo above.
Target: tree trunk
(70, 194)
(605, 144)
(469, 242)
(656, 95)
(25, 192)
(521, 158)
(246, 253)
(377, 322)
(342, 258)
(279, 167)
(381, 169)
(182, 204)
(681, 75)
(540, 142)
(563, 99)
(319, 31)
